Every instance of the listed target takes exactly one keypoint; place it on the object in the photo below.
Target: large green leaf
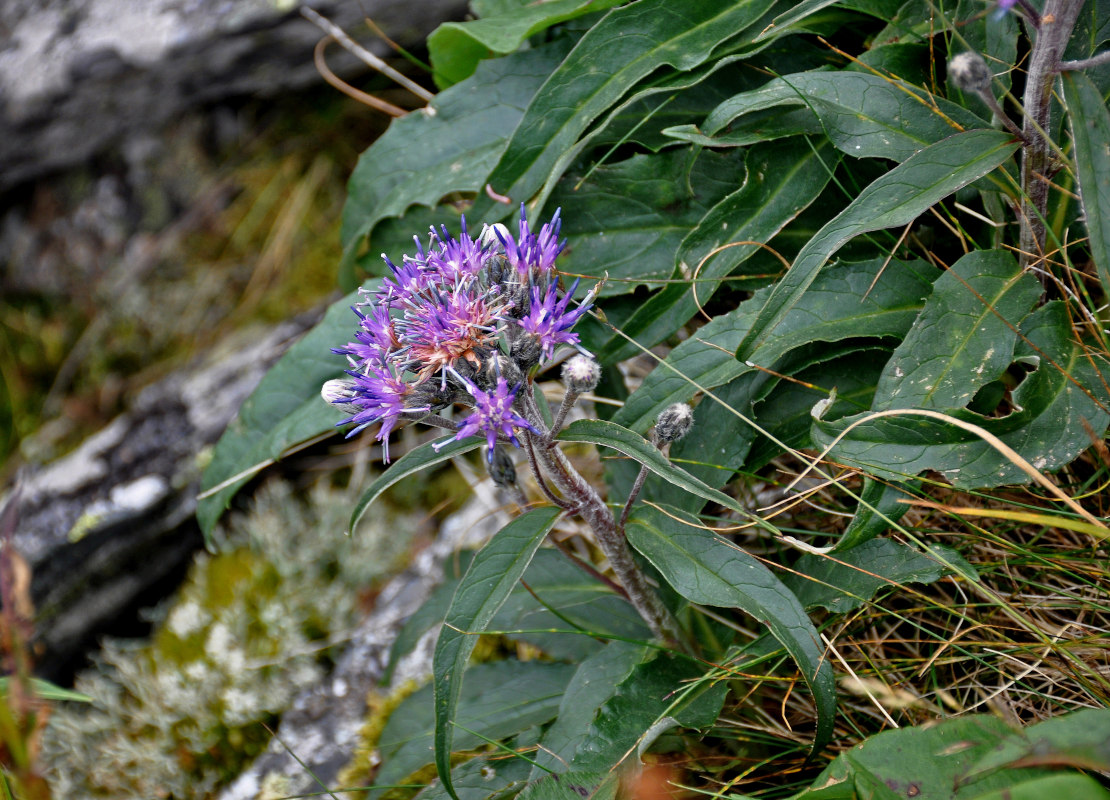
(838, 307)
(1090, 130)
(492, 575)
(450, 147)
(412, 462)
(1072, 785)
(964, 337)
(560, 597)
(864, 115)
(285, 409)
(1080, 740)
(783, 178)
(921, 761)
(710, 570)
(1056, 407)
(617, 698)
(623, 48)
(896, 198)
(635, 240)
(456, 48)
(503, 698)
(846, 581)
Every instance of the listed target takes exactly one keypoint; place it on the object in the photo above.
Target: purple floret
(493, 416)
(550, 321)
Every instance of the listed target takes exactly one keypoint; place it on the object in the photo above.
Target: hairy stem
(1053, 31)
(586, 503)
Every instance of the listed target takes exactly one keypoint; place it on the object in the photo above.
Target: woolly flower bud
(337, 391)
(491, 239)
(674, 422)
(969, 72)
(501, 467)
(581, 374)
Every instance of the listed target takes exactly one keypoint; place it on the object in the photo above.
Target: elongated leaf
(964, 337)
(484, 588)
(1072, 785)
(879, 508)
(284, 410)
(476, 778)
(709, 570)
(864, 115)
(626, 46)
(783, 178)
(636, 240)
(456, 48)
(893, 199)
(503, 698)
(846, 581)
(839, 307)
(1080, 740)
(619, 438)
(1090, 130)
(920, 761)
(425, 156)
(416, 460)
(1056, 407)
(560, 596)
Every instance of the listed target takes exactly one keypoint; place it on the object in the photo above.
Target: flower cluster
(462, 321)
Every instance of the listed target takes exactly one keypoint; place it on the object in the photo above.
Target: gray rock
(104, 525)
(77, 76)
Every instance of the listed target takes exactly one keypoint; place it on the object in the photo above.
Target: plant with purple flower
(493, 416)
(379, 396)
(550, 319)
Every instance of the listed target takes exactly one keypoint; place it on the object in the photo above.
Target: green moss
(182, 713)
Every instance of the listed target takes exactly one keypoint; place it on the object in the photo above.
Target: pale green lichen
(181, 714)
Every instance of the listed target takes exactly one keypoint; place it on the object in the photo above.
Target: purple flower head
(374, 339)
(379, 396)
(493, 415)
(534, 255)
(454, 258)
(549, 320)
(408, 279)
(448, 326)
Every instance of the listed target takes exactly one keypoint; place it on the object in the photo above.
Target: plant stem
(586, 503)
(1053, 31)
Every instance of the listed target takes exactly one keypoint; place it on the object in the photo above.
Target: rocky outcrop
(77, 76)
(105, 525)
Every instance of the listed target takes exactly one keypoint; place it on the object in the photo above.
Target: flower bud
(969, 72)
(674, 422)
(501, 468)
(337, 391)
(581, 374)
(526, 351)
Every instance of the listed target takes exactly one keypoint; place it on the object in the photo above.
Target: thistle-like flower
(494, 416)
(436, 332)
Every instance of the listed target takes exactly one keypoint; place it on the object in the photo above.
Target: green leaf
(619, 438)
(619, 700)
(896, 198)
(1080, 740)
(1090, 130)
(964, 337)
(415, 460)
(912, 762)
(709, 570)
(482, 591)
(429, 154)
(560, 596)
(1073, 786)
(1056, 407)
(846, 581)
(594, 683)
(573, 786)
(838, 307)
(879, 508)
(46, 691)
(623, 48)
(480, 778)
(503, 698)
(783, 178)
(864, 115)
(285, 409)
(635, 240)
(456, 48)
